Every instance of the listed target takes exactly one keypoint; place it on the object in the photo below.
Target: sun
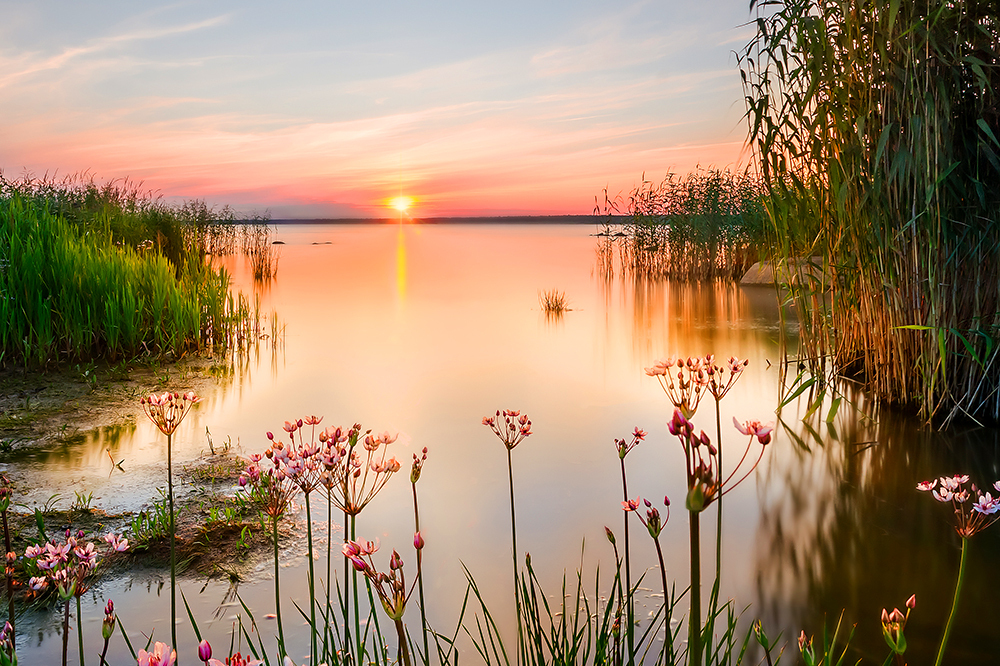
(401, 203)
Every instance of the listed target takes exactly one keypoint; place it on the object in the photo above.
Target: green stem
(65, 635)
(666, 603)
(173, 555)
(513, 542)
(312, 584)
(277, 589)
(420, 579)
(694, 618)
(954, 603)
(357, 613)
(629, 601)
(327, 639)
(347, 600)
(404, 650)
(79, 627)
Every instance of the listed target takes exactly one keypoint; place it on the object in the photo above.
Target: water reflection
(842, 527)
(828, 523)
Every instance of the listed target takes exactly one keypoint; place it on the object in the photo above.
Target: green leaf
(833, 410)
(816, 404)
(806, 384)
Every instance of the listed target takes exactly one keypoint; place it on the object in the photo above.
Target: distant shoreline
(506, 219)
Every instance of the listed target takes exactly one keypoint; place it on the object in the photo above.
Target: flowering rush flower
(968, 521)
(702, 459)
(66, 565)
(510, 426)
(166, 411)
(762, 431)
(162, 655)
(391, 587)
(685, 381)
(625, 446)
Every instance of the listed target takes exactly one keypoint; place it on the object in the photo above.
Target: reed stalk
(874, 131)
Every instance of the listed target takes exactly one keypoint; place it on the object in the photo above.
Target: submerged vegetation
(92, 271)
(706, 225)
(875, 130)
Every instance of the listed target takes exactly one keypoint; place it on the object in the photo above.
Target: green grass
(90, 272)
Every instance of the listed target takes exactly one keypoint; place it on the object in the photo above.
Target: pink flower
(158, 657)
(927, 485)
(756, 429)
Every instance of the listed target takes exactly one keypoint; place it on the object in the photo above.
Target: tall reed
(705, 225)
(874, 129)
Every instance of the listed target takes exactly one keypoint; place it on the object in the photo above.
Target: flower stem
(173, 555)
(513, 541)
(65, 633)
(629, 601)
(420, 579)
(79, 627)
(404, 649)
(694, 618)
(954, 603)
(277, 589)
(347, 601)
(666, 603)
(312, 584)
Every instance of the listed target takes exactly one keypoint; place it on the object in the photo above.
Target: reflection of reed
(842, 527)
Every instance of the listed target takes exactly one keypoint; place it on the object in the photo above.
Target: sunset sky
(331, 109)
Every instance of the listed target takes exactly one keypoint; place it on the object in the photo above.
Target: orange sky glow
(310, 114)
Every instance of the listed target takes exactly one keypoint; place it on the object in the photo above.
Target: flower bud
(418, 540)
(611, 535)
(204, 651)
(911, 603)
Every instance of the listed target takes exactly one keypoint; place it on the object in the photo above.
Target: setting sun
(401, 203)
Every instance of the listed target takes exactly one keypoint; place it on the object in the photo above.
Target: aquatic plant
(418, 544)
(654, 525)
(67, 567)
(102, 273)
(553, 302)
(874, 131)
(511, 428)
(624, 447)
(390, 587)
(969, 521)
(166, 411)
(705, 225)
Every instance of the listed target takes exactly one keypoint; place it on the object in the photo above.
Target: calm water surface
(423, 330)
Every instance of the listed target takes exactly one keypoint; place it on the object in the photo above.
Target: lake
(425, 329)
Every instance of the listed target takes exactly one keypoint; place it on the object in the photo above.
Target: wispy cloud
(26, 64)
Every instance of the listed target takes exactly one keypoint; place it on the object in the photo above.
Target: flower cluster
(702, 459)
(334, 459)
(391, 587)
(968, 522)
(685, 381)
(67, 565)
(166, 411)
(894, 623)
(418, 466)
(510, 426)
(625, 446)
(653, 523)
